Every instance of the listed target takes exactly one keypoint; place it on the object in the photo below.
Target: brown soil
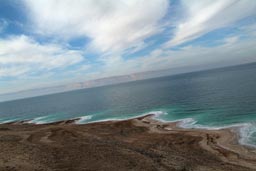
(136, 144)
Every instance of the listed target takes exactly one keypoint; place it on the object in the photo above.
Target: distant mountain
(97, 83)
(83, 85)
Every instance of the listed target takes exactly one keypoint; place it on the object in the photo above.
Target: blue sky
(53, 42)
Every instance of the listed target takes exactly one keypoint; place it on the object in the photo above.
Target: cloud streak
(232, 52)
(204, 16)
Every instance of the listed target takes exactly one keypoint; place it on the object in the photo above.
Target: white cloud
(21, 54)
(185, 60)
(119, 28)
(13, 71)
(232, 52)
(204, 16)
(110, 24)
(231, 40)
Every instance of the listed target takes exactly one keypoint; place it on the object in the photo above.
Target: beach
(136, 144)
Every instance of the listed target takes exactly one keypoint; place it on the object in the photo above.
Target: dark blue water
(212, 99)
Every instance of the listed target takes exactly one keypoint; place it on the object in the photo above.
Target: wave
(83, 119)
(157, 113)
(187, 123)
(248, 134)
(192, 123)
(246, 131)
(7, 121)
(38, 120)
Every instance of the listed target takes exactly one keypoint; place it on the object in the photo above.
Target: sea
(212, 99)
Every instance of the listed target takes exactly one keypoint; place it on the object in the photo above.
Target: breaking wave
(83, 119)
(38, 120)
(246, 131)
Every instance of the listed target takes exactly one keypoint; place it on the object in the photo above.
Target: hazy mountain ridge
(80, 85)
(97, 83)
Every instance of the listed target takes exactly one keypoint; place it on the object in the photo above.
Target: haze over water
(207, 99)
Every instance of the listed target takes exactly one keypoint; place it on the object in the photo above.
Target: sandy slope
(136, 144)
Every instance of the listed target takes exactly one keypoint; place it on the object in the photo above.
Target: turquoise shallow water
(208, 99)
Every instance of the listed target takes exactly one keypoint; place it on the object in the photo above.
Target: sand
(136, 144)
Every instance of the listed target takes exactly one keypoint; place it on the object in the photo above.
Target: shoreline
(176, 124)
(220, 147)
(151, 116)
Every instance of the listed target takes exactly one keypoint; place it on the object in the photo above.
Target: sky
(54, 42)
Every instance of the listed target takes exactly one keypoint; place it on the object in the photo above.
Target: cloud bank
(110, 24)
(21, 55)
(62, 41)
